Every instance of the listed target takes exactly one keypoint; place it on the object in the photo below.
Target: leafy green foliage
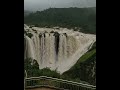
(50, 73)
(84, 18)
(32, 68)
(30, 35)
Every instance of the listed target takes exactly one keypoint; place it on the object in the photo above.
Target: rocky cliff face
(56, 48)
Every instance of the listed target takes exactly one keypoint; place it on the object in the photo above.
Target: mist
(33, 5)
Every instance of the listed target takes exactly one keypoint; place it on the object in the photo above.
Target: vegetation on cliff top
(75, 18)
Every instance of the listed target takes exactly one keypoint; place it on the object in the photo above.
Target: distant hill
(84, 18)
(26, 12)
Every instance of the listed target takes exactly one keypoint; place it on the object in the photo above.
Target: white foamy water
(61, 54)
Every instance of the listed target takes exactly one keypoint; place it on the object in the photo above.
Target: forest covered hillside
(83, 19)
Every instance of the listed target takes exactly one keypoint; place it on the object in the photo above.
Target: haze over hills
(84, 18)
(35, 5)
(26, 12)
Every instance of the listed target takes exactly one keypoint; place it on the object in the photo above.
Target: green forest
(82, 19)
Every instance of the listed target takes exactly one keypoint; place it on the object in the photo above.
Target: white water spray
(59, 51)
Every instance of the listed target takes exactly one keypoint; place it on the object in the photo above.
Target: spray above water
(56, 48)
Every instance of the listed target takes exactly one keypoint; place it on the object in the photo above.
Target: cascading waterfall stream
(56, 48)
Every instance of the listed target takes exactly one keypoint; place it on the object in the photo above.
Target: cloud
(43, 4)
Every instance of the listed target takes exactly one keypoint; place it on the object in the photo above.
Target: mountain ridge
(83, 18)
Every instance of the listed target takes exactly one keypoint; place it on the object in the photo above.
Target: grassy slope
(82, 69)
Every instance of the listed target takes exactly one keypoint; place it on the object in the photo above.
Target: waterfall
(29, 49)
(56, 49)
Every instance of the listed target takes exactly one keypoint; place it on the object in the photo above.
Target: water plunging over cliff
(56, 48)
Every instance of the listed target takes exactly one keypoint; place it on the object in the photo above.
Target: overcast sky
(43, 4)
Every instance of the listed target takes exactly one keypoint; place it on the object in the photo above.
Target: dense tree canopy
(83, 18)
